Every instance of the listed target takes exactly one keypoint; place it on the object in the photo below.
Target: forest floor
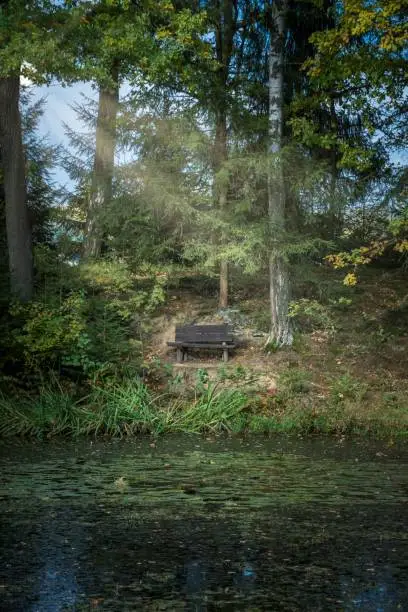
(349, 358)
(346, 372)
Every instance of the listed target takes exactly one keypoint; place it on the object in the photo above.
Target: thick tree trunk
(102, 174)
(278, 269)
(19, 244)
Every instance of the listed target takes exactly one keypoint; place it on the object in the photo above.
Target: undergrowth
(132, 408)
(119, 410)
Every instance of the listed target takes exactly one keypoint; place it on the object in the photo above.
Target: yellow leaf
(350, 280)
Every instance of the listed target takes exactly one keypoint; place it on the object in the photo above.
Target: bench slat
(226, 345)
(203, 333)
(202, 336)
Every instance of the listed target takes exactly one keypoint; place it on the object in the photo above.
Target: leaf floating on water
(121, 483)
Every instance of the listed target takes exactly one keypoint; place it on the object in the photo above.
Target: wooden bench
(202, 337)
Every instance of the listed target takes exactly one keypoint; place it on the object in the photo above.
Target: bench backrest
(203, 333)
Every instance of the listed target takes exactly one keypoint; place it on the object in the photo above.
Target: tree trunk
(334, 207)
(278, 268)
(224, 43)
(102, 174)
(221, 193)
(19, 244)
(223, 303)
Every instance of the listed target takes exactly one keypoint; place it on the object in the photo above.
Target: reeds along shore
(132, 408)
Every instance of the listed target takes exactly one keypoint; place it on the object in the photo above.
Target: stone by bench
(202, 337)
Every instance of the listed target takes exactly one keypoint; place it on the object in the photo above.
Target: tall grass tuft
(120, 410)
(214, 410)
(51, 413)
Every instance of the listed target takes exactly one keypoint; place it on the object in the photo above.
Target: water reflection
(57, 585)
(253, 536)
(379, 595)
(195, 584)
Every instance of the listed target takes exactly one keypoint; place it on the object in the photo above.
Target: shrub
(311, 315)
(87, 329)
(295, 381)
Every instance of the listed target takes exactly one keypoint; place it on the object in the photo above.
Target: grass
(131, 409)
(119, 410)
(345, 374)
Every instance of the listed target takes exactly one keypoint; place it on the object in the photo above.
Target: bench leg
(185, 356)
(179, 355)
(225, 355)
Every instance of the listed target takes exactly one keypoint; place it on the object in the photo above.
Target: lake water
(201, 525)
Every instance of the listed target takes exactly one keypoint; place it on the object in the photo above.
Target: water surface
(190, 524)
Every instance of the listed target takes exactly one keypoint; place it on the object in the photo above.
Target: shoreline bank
(133, 409)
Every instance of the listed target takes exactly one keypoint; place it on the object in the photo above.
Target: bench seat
(202, 344)
(202, 337)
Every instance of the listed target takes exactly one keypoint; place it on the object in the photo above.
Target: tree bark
(334, 207)
(19, 242)
(280, 333)
(224, 39)
(221, 194)
(223, 302)
(103, 167)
